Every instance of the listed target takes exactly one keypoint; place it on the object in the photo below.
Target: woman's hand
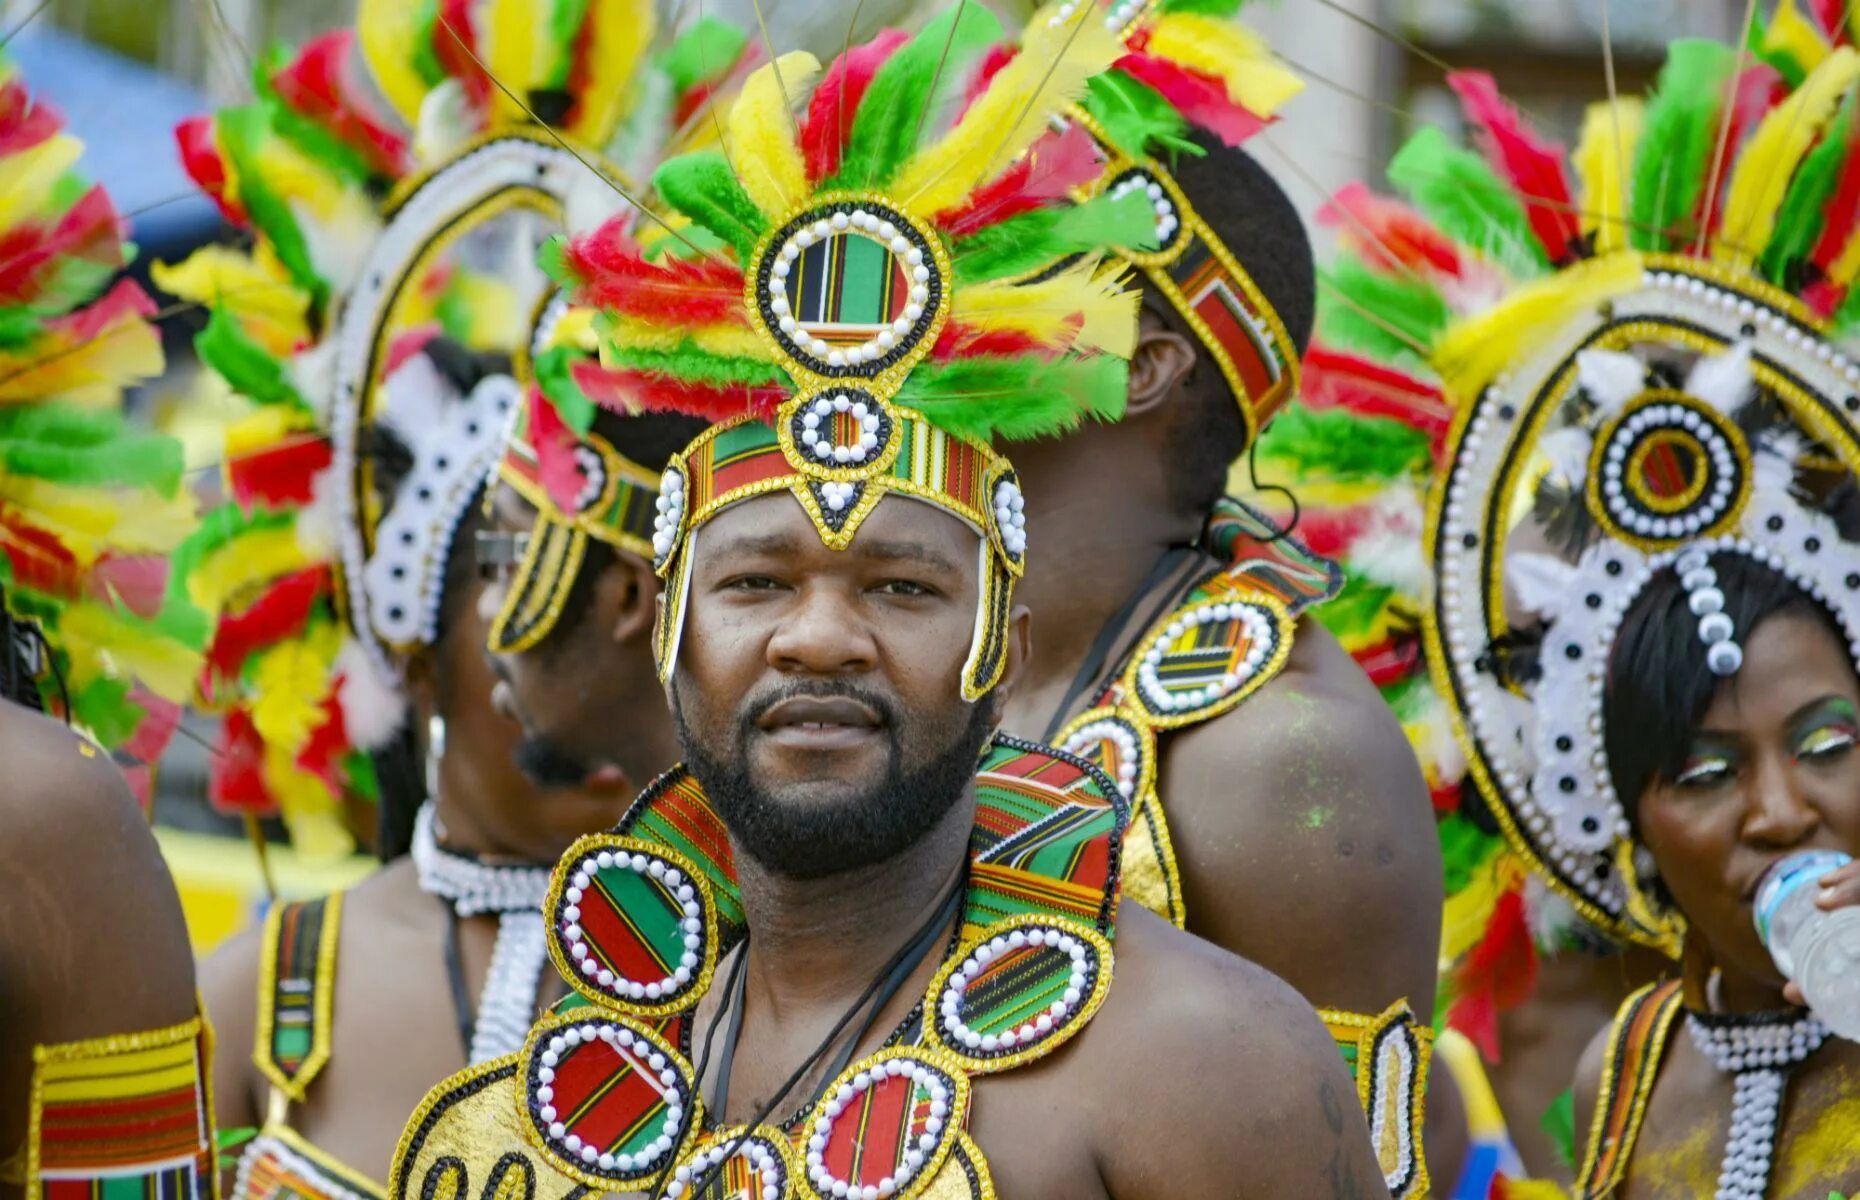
(1840, 888)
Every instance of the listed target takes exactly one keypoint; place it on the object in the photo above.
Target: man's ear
(625, 598)
(1162, 362)
(1019, 654)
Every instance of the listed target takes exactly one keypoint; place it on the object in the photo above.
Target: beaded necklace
(515, 894)
(1758, 1050)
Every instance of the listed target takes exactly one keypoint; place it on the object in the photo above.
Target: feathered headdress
(1190, 67)
(89, 508)
(328, 577)
(881, 268)
(1597, 324)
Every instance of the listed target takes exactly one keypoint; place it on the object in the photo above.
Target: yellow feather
(623, 29)
(1231, 53)
(576, 329)
(1774, 152)
(254, 289)
(1609, 135)
(1472, 352)
(261, 429)
(26, 184)
(1795, 36)
(1050, 72)
(311, 813)
(243, 563)
(1846, 267)
(161, 664)
(89, 521)
(736, 341)
(93, 372)
(289, 683)
(761, 132)
(389, 30)
(1084, 307)
(512, 52)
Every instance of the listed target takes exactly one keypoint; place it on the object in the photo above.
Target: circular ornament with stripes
(632, 926)
(756, 1164)
(1208, 656)
(839, 433)
(885, 1125)
(1123, 749)
(607, 1099)
(1666, 470)
(1017, 991)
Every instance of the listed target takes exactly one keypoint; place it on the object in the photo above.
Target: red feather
(24, 124)
(1388, 234)
(455, 44)
(136, 582)
(630, 391)
(1497, 974)
(1534, 166)
(1055, 164)
(614, 276)
(280, 612)
(124, 302)
(554, 444)
(1446, 799)
(998, 56)
(316, 84)
(328, 744)
(160, 718)
(238, 783)
(960, 341)
(30, 254)
(1840, 219)
(1390, 661)
(282, 475)
(1832, 16)
(1759, 89)
(837, 98)
(581, 62)
(1335, 379)
(39, 561)
(1202, 99)
(200, 156)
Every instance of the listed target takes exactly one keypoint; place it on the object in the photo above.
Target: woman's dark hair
(1658, 684)
(400, 765)
(21, 646)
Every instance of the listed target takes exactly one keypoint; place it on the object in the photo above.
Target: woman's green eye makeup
(1832, 727)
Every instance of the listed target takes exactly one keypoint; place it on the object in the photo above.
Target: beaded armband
(1389, 1055)
(1636, 1043)
(613, 501)
(127, 1115)
(296, 992)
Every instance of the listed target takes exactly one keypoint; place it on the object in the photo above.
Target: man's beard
(805, 839)
(547, 764)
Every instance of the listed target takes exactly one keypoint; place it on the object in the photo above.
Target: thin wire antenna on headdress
(768, 45)
(1329, 197)
(561, 141)
(839, 101)
(1410, 45)
(1724, 132)
(711, 108)
(215, 13)
(23, 22)
(936, 79)
(1280, 532)
(1614, 94)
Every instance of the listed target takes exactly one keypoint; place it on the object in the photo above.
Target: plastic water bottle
(1819, 950)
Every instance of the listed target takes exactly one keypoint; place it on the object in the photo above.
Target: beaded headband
(869, 322)
(1189, 64)
(1604, 410)
(335, 577)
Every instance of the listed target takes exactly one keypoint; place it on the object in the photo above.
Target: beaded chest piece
(603, 1095)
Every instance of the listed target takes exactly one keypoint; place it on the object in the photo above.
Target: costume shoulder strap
(1267, 558)
(1388, 1055)
(296, 992)
(1636, 1043)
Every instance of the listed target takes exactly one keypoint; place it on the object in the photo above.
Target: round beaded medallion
(632, 926)
(1163, 202)
(1019, 991)
(1115, 745)
(1207, 655)
(849, 288)
(609, 1101)
(1668, 469)
(839, 434)
(884, 1127)
(760, 1165)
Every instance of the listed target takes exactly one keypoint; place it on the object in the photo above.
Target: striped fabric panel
(1636, 1044)
(279, 1166)
(737, 457)
(300, 994)
(1262, 559)
(123, 1118)
(1231, 317)
(675, 813)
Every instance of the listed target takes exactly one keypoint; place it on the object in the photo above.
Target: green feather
(1345, 446)
(246, 366)
(912, 82)
(1351, 291)
(1458, 190)
(217, 528)
(316, 140)
(1356, 607)
(1846, 319)
(565, 21)
(1559, 1121)
(425, 50)
(703, 187)
(702, 53)
(692, 365)
(1033, 240)
(363, 782)
(1798, 223)
(1209, 8)
(554, 376)
(1678, 135)
(104, 708)
(1136, 117)
(1016, 398)
(1464, 849)
(84, 448)
(241, 131)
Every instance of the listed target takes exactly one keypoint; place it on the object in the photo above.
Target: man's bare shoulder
(1200, 1058)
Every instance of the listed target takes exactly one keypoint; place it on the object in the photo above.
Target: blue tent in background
(125, 112)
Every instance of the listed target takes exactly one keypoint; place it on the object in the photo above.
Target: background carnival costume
(1645, 353)
(92, 632)
(840, 292)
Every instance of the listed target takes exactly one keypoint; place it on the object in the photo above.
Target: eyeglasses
(497, 553)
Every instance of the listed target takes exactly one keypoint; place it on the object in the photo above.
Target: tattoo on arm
(1343, 1184)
